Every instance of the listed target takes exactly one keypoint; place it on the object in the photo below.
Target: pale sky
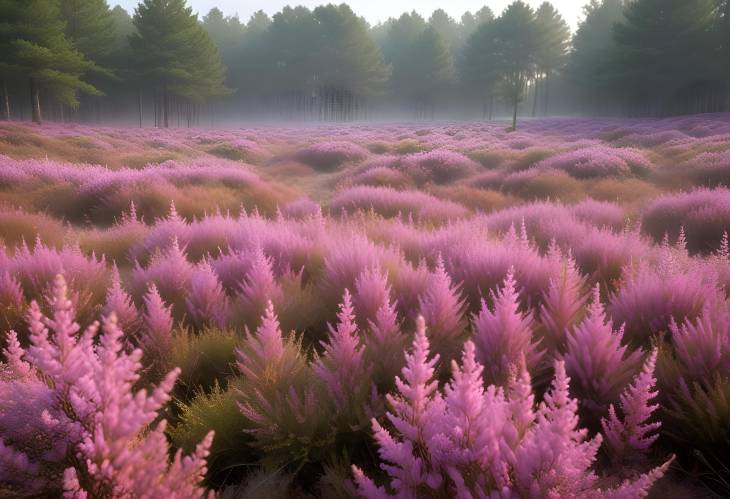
(373, 10)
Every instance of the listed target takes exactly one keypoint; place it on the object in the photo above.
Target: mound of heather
(328, 156)
(599, 161)
(440, 166)
(709, 169)
(703, 213)
(244, 150)
(389, 202)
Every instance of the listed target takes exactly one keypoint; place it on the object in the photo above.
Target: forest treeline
(81, 60)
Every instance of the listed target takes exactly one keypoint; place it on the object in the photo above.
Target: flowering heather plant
(504, 336)
(468, 439)
(633, 434)
(492, 237)
(704, 213)
(328, 156)
(442, 308)
(598, 362)
(599, 161)
(284, 410)
(389, 202)
(80, 392)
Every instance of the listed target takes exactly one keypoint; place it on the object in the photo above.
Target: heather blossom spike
(258, 287)
(341, 366)
(597, 361)
(207, 301)
(120, 303)
(94, 425)
(503, 336)
(632, 435)
(442, 307)
(562, 304)
(158, 322)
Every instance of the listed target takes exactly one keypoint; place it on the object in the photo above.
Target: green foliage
(205, 359)
(174, 51)
(34, 46)
(90, 26)
(658, 45)
(231, 456)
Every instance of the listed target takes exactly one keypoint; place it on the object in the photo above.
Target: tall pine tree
(175, 54)
(34, 48)
(552, 50)
(658, 59)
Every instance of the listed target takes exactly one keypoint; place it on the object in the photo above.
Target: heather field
(426, 309)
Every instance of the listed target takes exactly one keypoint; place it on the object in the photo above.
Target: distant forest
(79, 60)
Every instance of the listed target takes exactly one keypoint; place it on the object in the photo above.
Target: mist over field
(323, 253)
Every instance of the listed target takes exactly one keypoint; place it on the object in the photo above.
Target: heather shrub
(79, 393)
(286, 415)
(598, 361)
(215, 410)
(18, 225)
(439, 166)
(544, 184)
(470, 439)
(409, 146)
(484, 200)
(328, 156)
(623, 190)
(205, 360)
(710, 169)
(503, 335)
(382, 176)
(648, 301)
(704, 213)
(599, 161)
(389, 202)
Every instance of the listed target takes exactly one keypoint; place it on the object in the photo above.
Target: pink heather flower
(632, 435)
(11, 293)
(562, 304)
(13, 353)
(703, 346)
(341, 366)
(120, 303)
(96, 428)
(554, 456)
(442, 307)
(157, 322)
(477, 442)
(207, 301)
(372, 291)
(597, 361)
(504, 336)
(257, 288)
(266, 346)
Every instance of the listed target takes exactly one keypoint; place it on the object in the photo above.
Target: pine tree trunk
(514, 114)
(546, 97)
(535, 97)
(165, 107)
(139, 106)
(35, 102)
(6, 102)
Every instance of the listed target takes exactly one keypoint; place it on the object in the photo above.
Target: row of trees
(58, 50)
(639, 56)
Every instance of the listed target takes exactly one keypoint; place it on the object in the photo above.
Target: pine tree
(175, 53)
(35, 49)
(514, 46)
(658, 43)
(89, 26)
(552, 50)
(593, 45)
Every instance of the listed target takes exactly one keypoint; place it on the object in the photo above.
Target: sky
(373, 10)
